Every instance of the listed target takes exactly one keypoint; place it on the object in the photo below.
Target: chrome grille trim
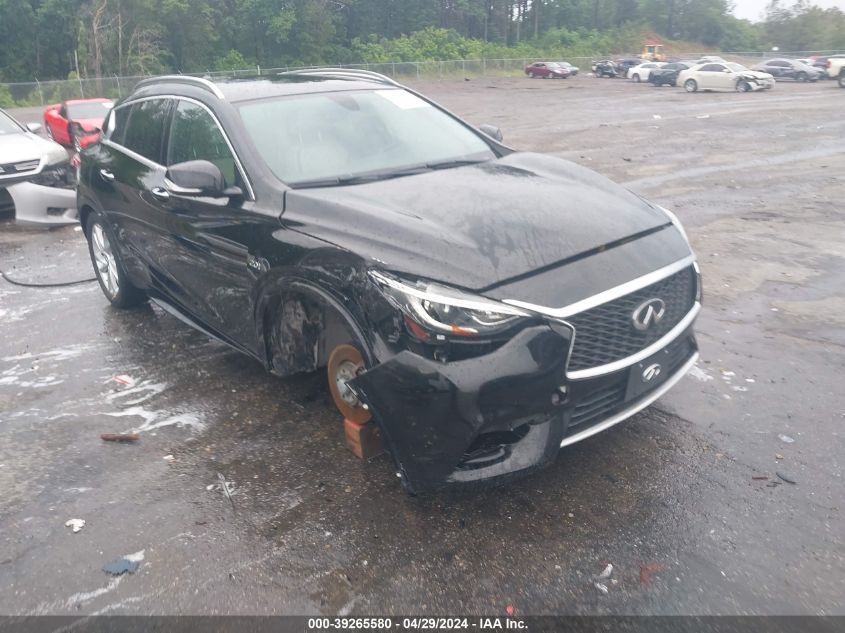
(608, 295)
(636, 408)
(655, 347)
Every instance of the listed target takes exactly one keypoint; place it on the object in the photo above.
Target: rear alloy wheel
(345, 364)
(531, 75)
(842, 80)
(742, 86)
(113, 281)
(690, 85)
(636, 79)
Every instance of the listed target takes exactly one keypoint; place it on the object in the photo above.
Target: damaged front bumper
(508, 412)
(49, 206)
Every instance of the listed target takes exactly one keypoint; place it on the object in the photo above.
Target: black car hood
(475, 226)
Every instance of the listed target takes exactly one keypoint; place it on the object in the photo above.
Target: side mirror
(492, 131)
(198, 178)
(35, 128)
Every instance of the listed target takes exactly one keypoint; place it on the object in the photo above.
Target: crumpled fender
(430, 412)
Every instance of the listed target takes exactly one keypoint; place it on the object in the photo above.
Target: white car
(724, 76)
(643, 71)
(36, 175)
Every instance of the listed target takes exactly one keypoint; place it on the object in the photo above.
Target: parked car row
(551, 70)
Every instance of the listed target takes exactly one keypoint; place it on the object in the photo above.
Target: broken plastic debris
(703, 116)
(785, 438)
(607, 572)
(226, 486)
(788, 479)
(601, 587)
(168, 458)
(656, 116)
(75, 524)
(125, 564)
(123, 379)
(120, 437)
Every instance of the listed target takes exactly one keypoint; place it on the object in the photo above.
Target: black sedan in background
(484, 306)
(790, 69)
(667, 75)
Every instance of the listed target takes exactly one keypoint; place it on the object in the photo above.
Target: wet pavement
(684, 499)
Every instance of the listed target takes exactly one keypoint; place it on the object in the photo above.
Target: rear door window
(145, 130)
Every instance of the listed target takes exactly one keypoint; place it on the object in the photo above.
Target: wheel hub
(346, 371)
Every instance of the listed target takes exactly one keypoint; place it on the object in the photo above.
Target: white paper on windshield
(402, 99)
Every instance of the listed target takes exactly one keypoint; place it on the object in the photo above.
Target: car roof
(248, 90)
(240, 89)
(92, 100)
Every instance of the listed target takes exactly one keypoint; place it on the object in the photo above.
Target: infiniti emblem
(648, 313)
(651, 372)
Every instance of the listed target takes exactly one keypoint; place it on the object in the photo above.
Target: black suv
(485, 306)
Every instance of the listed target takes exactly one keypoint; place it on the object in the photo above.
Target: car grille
(603, 402)
(19, 167)
(598, 405)
(606, 333)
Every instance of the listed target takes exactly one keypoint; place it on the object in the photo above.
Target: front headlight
(440, 311)
(59, 175)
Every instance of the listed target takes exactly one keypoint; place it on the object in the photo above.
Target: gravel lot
(684, 499)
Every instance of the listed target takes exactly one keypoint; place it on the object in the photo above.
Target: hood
(17, 148)
(755, 74)
(89, 125)
(478, 225)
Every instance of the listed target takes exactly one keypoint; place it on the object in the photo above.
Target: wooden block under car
(363, 439)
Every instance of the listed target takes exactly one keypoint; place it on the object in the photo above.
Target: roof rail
(341, 73)
(188, 80)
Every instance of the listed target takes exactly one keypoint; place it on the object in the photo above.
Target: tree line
(49, 39)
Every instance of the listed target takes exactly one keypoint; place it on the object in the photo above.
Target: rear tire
(802, 76)
(636, 79)
(690, 85)
(107, 265)
(531, 75)
(345, 363)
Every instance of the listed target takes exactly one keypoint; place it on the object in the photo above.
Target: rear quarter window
(145, 130)
(115, 126)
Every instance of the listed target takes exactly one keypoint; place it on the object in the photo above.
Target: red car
(76, 123)
(547, 70)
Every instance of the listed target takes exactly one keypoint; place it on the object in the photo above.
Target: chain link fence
(48, 92)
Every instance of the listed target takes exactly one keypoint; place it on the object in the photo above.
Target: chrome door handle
(161, 193)
(106, 175)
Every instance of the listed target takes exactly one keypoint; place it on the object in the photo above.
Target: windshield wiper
(338, 181)
(448, 164)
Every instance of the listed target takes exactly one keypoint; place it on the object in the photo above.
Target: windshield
(341, 135)
(7, 125)
(737, 68)
(94, 110)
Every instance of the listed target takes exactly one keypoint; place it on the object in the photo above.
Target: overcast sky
(754, 9)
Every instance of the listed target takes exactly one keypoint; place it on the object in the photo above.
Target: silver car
(35, 174)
